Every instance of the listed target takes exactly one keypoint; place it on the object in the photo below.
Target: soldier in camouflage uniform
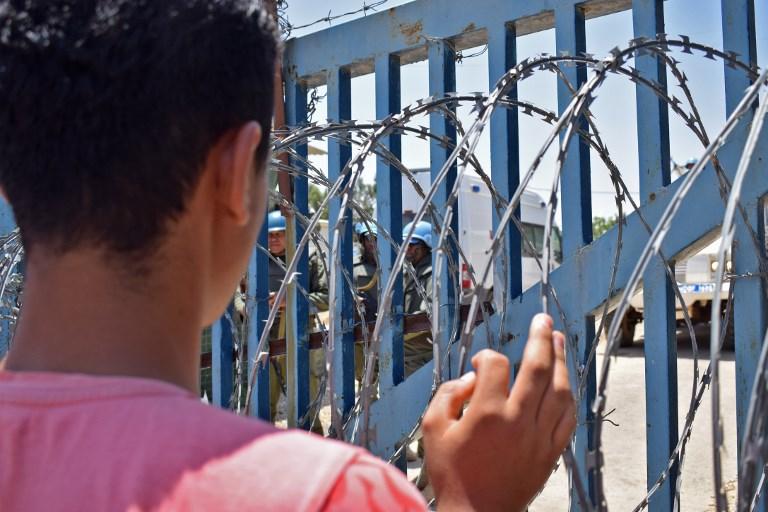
(318, 297)
(365, 274)
(417, 347)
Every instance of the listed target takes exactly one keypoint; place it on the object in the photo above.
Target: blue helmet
(691, 162)
(365, 229)
(275, 221)
(422, 233)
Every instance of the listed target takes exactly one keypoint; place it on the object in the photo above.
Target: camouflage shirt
(364, 273)
(413, 301)
(318, 286)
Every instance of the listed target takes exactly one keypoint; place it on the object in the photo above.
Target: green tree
(316, 197)
(602, 224)
(366, 197)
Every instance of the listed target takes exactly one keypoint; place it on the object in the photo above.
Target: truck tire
(628, 324)
(627, 327)
(729, 342)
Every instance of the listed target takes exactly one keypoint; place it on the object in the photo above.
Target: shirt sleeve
(370, 484)
(318, 283)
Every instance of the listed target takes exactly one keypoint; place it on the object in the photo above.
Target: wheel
(729, 343)
(627, 327)
(628, 324)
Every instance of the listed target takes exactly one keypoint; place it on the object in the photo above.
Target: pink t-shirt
(75, 442)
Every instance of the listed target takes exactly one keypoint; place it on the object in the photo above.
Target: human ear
(236, 172)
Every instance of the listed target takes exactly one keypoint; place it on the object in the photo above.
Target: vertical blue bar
(257, 307)
(215, 351)
(575, 180)
(340, 109)
(577, 232)
(739, 36)
(7, 221)
(389, 199)
(7, 224)
(738, 18)
(505, 157)
(298, 382)
(658, 298)
(442, 79)
(389, 211)
(221, 361)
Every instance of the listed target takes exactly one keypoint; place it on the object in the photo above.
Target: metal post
(442, 79)
(297, 308)
(7, 224)
(658, 297)
(343, 369)
(257, 307)
(505, 160)
(221, 360)
(750, 305)
(577, 232)
(389, 200)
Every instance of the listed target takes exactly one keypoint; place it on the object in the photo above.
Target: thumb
(448, 403)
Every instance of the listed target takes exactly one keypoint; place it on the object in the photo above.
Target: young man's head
(112, 114)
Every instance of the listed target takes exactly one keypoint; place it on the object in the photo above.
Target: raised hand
(501, 451)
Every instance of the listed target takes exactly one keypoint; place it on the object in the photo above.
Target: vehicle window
(535, 235)
(557, 244)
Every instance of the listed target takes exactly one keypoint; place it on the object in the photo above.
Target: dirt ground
(624, 445)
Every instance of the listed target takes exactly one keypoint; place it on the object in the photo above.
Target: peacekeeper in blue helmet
(417, 347)
(366, 277)
(365, 270)
(318, 297)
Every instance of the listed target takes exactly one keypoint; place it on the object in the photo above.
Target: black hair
(108, 109)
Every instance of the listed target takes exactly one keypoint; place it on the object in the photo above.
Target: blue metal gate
(435, 30)
(672, 219)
